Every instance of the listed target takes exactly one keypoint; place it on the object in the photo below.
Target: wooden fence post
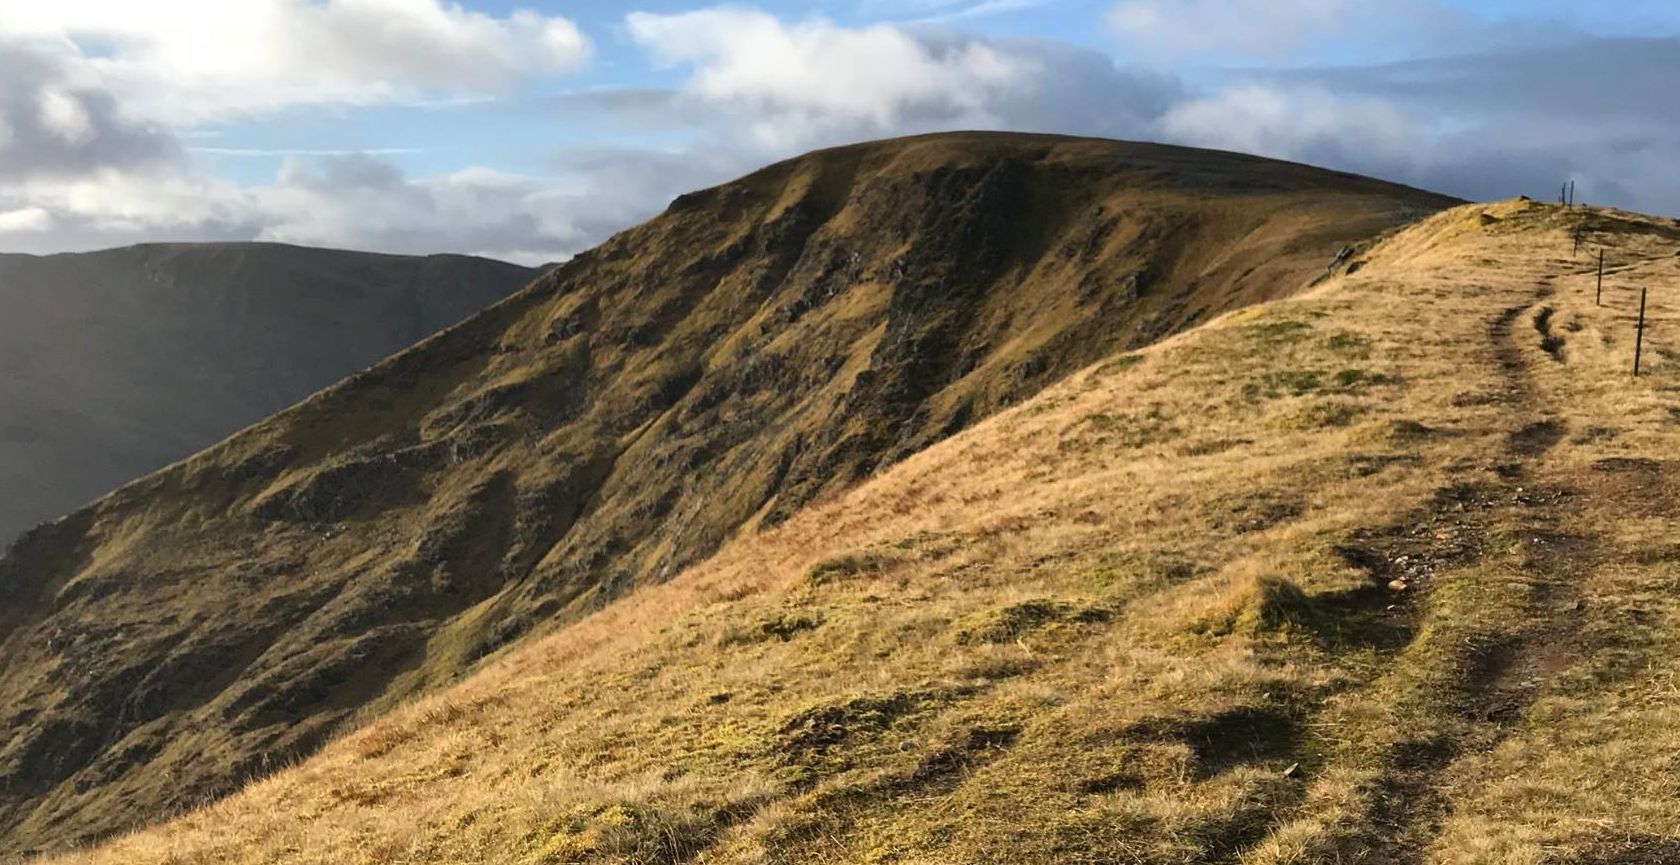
(1598, 300)
(1639, 338)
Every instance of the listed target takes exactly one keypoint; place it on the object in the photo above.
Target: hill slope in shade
(116, 363)
(760, 346)
(1381, 573)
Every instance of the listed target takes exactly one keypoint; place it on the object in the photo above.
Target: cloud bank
(95, 95)
(192, 60)
(98, 95)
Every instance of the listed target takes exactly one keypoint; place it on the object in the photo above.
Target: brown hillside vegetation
(761, 346)
(1381, 573)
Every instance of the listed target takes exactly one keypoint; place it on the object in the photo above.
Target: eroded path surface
(1600, 594)
(1502, 516)
(1514, 555)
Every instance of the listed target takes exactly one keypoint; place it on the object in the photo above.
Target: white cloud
(186, 61)
(64, 116)
(1177, 27)
(796, 85)
(810, 77)
(96, 95)
(120, 202)
(1225, 30)
(949, 10)
(269, 152)
(26, 219)
(355, 201)
(1299, 123)
(365, 202)
(56, 121)
(362, 201)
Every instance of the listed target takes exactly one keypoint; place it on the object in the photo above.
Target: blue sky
(513, 133)
(532, 130)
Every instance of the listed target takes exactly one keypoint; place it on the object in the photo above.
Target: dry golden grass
(1144, 617)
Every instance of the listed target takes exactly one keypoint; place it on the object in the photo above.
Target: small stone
(1294, 771)
(1398, 585)
(907, 745)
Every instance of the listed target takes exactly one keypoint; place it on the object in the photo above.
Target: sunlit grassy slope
(761, 346)
(1383, 573)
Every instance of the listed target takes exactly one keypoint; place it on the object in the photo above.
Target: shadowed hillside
(1381, 573)
(761, 346)
(114, 364)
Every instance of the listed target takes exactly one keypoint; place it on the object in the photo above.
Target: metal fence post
(1639, 338)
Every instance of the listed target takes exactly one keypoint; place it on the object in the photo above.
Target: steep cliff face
(116, 363)
(760, 346)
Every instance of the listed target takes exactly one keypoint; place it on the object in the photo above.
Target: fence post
(1598, 300)
(1639, 338)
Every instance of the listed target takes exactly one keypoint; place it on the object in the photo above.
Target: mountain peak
(763, 345)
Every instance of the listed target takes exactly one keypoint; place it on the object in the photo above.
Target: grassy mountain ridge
(1380, 573)
(763, 345)
(119, 362)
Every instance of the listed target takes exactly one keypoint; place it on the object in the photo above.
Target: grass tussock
(1261, 606)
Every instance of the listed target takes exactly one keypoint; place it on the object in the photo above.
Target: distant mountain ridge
(116, 363)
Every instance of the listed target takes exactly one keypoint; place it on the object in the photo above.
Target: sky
(529, 131)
